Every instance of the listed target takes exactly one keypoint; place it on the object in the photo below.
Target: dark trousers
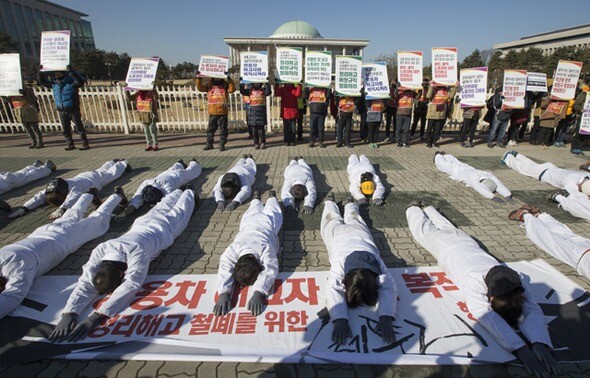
(300, 125)
(289, 130)
(390, 120)
(402, 133)
(217, 122)
(534, 130)
(544, 135)
(514, 130)
(373, 131)
(34, 132)
(434, 130)
(422, 118)
(259, 134)
(363, 126)
(66, 117)
(343, 129)
(577, 138)
(561, 130)
(316, 126)
(468, 128)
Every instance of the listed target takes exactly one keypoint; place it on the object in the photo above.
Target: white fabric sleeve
(311, 193)
(533, 325)
(217, 193)
(387, 300)
(270, 269)
(37, 200)
(18, 283)
(501, 188)
(71, 198)
(137, 199)
(286, 195)
(336, 297)
(355, 190)
(243, 194)
(227, 262)
(578, 204)
(84, 292)
(379, 188)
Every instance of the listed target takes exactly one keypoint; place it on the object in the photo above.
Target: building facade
(24, 20)
(578, 37)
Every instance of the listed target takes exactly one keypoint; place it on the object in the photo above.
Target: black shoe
(438, 153)
(250, 156)
(490, 144)
(222, 147)
(33, 145)
(195, 160)
(551, 197)
(330, 197)
(321, 144)
(436, 145)
(70, 147)
(338, 145)
(51, 165)
(40, 145)
(85, 146)
(405, 145)
(429, 145)
(312, 143)
(245, 156)
(181, 162)
(272, 194)
(501, 145)
(119, 191)
(256, 195)
(128, 168)
(349, 146)
(208, 147)
(4, 206)
(38, 163)
(415, 203)
(96, 201)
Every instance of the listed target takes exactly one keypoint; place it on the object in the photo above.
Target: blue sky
(182, 30)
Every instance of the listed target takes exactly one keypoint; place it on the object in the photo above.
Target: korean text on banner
(409, 69)
(474, 82)
(348, 75)
(213, 66)
(444, 66)
(514, 89)
(289, 65)
(254, 66)
(318, 69)
(376, 80)
(10, 76)
(55, 50)
(142, 74)
(565, 81)
(585, 122)
(536, 82)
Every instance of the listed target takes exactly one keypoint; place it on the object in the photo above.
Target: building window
(48, 25)
(28, 48)
(56, 25)
(30, 20)
(64, 24)
(88, 37)
(10, 27)
(2, 28)
(39, 21)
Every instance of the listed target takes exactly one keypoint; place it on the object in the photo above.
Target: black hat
(231, 178)
(151, 194)
(502, 280)
(361, 260)
(57, 185)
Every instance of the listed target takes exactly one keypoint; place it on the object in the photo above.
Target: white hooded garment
(30, 173)
(246, 169)
(357, 165)
(299, 173)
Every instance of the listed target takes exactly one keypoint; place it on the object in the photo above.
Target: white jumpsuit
(357, 165)
(258, 235)
(30, 173)
(299, 173)
(246, 169)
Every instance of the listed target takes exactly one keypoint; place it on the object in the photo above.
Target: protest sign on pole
(254, 66)
(141, 74)
(585, 122)
(55, 50)
(348, 75)
(318, 69)
(289, 65)
(565, 80)
(214, 66)
(514, 89)
(409, 69)
(376, 80)
(10, 75)
(474, 82)
(444, 66)
(536, 82)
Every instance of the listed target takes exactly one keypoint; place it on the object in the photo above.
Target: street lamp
(108, 64)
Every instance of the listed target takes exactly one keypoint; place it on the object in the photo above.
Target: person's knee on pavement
(3, 282)
(298, 192)
(151, 195)
(246, 270)
(361, 288)
(108, 278)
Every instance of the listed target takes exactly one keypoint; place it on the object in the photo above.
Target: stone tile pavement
(408, 172)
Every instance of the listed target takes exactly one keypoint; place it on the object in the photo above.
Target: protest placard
(565, 80)
(55, 50)
(214, 66)
(514, 89)
(536, 82)
(474, 82)
(289, 65)
(318, 68)
(254, 66)
(141, 74)
(348, 75)
(585, 122)
(444, 66)
(10, 75)
(376, 80)
(409, 69)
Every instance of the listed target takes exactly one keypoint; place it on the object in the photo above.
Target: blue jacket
(65, 91)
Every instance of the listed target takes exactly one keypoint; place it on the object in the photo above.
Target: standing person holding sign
(318, 100)
(581, 99)
(405, 103)
(257, 93)
(439, 97)
(375, 109)
(26, 111)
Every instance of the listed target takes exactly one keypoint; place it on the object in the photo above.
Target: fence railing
(181, 109)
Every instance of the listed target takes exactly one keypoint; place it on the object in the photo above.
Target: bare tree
(486, 55)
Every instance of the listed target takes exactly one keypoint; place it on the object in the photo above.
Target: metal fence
(181, 109)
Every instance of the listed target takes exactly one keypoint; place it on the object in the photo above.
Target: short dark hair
(229, 190)
(55, 198)
(509, 306)
(298, 191)
(246, 270)
(3, 282)
(361, 287)
(107, 279)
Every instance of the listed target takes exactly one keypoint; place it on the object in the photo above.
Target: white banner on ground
(514, 89)
(254, 66)
(409, 69)
(10, 75)
(474, 82)
(348, 75)
(214, 66)
(536, 82)
(141, 74)
(318, 69)
(585, 122)
(289, 65)
(444, 66)
(171, 318)
(376, 80)
(55, 50)
(565, 80)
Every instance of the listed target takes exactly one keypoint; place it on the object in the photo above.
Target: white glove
(57, 213)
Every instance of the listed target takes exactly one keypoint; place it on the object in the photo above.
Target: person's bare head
(509, 306)
(109, 277)
(361, 287)
(246, 270)
(505, 293)
(298, 192)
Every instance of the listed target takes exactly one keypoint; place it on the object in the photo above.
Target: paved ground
(410, 173)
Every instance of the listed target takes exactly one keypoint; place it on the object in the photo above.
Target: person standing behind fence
(302, 108)
(289, 109)
(405, 102)
(146, 105)
(26, 111)
(218, 91)
(390, 114)
(344, 126)
(318, 100)
(361, 108)
(437, 112)
(552, 111)
(65, 85)
(421, 109)
(375, 109)
(256, 114)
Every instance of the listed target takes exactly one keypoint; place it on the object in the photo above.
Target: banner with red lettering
(409, 69)
(444, 66)
(170, 319)
(514, 89)
(474, 82)
(565, 81)
(213, 66)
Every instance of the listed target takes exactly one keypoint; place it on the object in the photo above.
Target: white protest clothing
(81, 183)
(467, 265)
(298, 173)
(258, 235)
(357, 165)
(30, 173)
(468, 175)
(48, 245)
(246, 169)
(149, 235)
(559, 241)
(342, 237)
(168, 181)
(577, 204)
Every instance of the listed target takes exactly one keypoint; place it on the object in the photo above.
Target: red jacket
(288, 94)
